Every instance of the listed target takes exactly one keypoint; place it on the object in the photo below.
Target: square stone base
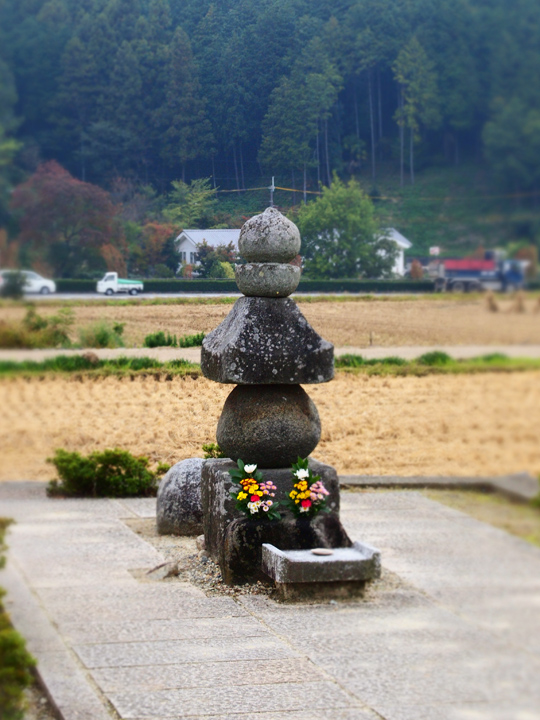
(235, 541)
(219, 508)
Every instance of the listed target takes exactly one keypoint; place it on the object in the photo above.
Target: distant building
(186, 243)
(402, 245)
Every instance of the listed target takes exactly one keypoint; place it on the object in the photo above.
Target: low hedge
(16, 663)
(75, 286)
(229, 286)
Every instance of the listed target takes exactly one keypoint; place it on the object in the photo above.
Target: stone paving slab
(456, 637)
(282, 697)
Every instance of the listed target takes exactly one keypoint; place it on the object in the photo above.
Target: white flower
(254, 507)
(301, 474)
(250, 468)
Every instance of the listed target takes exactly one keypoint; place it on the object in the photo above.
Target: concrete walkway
(453, 632)
(194, 354)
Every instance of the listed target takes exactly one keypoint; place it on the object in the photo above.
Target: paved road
(194, 354)
(452, 633)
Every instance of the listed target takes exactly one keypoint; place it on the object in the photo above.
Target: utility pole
(272, 187)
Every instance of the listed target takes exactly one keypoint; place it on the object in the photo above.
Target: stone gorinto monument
(268, 350)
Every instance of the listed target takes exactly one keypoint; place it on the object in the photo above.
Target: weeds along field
(438, 424)
(354, 322)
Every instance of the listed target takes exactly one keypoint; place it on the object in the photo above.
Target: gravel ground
(185, 562)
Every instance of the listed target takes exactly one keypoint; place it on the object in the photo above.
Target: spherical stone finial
(269, 238)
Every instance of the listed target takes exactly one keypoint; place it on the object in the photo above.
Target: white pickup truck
(112, 284)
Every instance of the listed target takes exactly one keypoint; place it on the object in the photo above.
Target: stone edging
(519, 486)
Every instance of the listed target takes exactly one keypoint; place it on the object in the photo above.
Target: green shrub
(159, 339)
(433, 359)
(162, 271)
(191, 340)
(107, 473)
(15, 661)
(102, 334)
(212, 450)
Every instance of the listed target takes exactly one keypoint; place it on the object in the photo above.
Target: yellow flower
(259, 493)
(241, 496)
(293, 494)
(253, 489)
(302, 485)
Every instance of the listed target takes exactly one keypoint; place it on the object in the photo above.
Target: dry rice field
(445, 425)
(434, 320)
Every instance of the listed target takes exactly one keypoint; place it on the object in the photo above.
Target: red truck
(468, 274)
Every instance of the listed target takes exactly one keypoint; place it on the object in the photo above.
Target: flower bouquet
(253, 496)
(308, 496)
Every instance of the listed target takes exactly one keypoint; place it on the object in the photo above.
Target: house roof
(212, 237)
(400, 240)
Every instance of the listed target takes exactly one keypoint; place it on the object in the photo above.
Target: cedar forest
(130, 119)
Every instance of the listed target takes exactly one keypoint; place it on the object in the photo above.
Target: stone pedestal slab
(266, 341)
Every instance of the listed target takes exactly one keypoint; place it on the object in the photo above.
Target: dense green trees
(156, 94)
(168, 89)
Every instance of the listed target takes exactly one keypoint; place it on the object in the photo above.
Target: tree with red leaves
(155, 238)
(65, 221)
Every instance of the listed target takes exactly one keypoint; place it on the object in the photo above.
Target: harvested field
(388, 322)
(436, 425)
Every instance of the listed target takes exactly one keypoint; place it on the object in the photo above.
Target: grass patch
(428, 364)
(37, 332)
(435, 362)
(89, 365)
(516, 518)
(102, 334)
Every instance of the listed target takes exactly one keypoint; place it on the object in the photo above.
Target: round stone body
(267, 279)
(270, 425)
(269, 238)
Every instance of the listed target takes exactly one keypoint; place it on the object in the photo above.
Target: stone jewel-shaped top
(269, 238)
